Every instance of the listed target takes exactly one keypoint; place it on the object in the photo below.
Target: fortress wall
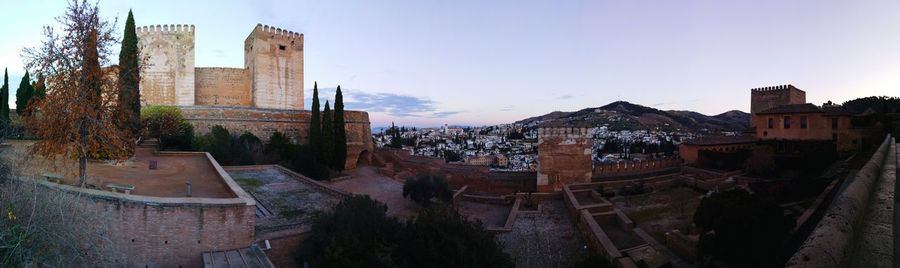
(222, 86)
(274, 57)
(165, 232)
(479, 179)
(293, 123)
(611, 170)
(855, 225)
(168, 75)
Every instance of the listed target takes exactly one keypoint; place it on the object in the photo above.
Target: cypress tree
(129, 79)
(39, 88)
(315, 123)
(23, 94)
(4, 98)
(327, 147)
(340, 132)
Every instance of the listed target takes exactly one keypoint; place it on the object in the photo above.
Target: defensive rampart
(293, 123)
(857, 229)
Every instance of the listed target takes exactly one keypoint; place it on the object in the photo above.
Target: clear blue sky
(485, 62)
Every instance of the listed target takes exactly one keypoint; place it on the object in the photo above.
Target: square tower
(765, 98)
(274, 58)
(168, 76)
(564, 157)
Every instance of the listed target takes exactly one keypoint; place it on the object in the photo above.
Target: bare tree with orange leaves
(76, 118)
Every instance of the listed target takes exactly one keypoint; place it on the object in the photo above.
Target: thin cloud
(566, 97)
(507, 108)
(444, 114)
(390, 103)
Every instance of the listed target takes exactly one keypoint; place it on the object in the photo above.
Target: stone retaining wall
(846, 227)
(165, 232)
(293, 123)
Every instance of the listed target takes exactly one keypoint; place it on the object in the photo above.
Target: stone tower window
(281, 47)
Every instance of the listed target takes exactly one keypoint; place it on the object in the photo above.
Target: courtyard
(366, 180)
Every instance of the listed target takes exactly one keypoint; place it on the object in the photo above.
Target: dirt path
(366, 180)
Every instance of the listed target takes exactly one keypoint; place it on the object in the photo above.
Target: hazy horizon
(474, 63)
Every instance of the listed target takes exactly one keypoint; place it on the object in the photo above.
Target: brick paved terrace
(173, 171)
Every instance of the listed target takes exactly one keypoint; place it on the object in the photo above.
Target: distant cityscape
(513, 147)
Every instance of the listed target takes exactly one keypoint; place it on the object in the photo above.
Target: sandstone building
(263, 97)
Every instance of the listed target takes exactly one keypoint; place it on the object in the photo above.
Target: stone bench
(52, 177)
(127, 188)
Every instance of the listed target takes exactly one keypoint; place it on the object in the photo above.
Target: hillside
(622, 115)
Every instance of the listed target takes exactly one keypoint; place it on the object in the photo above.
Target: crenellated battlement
(572, 132)
(165, 28)
(276, 32)
(775, 88)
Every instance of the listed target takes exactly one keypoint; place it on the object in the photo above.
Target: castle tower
(564, 157)
(765, 98)
(274, 58)
(168, 74)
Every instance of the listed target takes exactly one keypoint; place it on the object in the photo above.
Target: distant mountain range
(623, 115)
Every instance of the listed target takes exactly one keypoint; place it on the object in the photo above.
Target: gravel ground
(490, 215)
(548, 239)
(291, 200)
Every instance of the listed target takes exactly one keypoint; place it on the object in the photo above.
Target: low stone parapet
(844, 233)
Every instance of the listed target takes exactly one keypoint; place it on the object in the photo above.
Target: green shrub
(168, 125)
(358, 233)
(422, 189)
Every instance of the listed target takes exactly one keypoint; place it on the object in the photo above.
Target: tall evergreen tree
(39, 87)
(129, 79)
(327, 147)
(23, 94)
(4, 98)
(340, 132)
(315, 123)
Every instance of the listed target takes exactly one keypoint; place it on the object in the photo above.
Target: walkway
(366, 180)
(897, 212)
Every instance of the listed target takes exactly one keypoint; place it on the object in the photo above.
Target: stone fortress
(263, 97)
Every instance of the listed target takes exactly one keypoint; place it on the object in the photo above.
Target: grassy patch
(290, 214)
(249, 182)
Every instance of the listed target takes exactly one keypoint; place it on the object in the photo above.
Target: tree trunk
(82, 154)
(82, 170)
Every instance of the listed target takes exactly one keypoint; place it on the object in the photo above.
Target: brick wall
(167, 232)
(222, 86)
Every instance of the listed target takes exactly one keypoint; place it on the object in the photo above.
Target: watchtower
(168, 76)
(564, 157)
(765, 98)
(274, 58)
